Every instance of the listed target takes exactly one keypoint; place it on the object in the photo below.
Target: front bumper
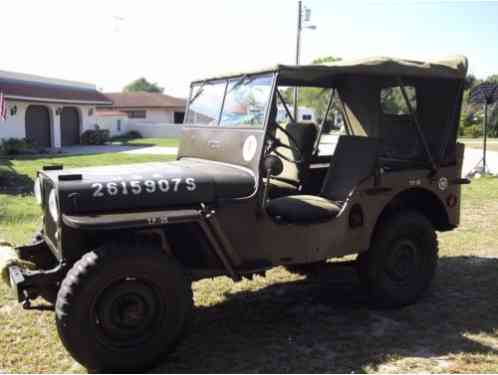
(32, 271)
(17, 282)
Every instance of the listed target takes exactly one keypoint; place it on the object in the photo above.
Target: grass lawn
(287, 323)
(162, 142)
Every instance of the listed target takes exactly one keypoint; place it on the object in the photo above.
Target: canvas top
(454, 67)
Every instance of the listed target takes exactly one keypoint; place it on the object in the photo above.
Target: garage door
(38, 125)
(70, 126)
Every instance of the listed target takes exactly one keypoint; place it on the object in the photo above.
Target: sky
(110, 43)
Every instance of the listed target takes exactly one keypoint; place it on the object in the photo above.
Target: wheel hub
(127, 312)
(402, 262)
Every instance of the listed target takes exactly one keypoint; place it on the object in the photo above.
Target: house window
(178, 117)
(393, 102)
(119, 125)
(136, 114)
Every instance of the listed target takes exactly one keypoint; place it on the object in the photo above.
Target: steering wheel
(292, 146)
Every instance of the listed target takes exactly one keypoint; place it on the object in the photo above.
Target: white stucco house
(153, 115)
(50, 112)
(147, 107)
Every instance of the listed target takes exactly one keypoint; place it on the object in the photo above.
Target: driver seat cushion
(303, 209)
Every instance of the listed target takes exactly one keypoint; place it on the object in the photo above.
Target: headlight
(52, 205)
(37, 188)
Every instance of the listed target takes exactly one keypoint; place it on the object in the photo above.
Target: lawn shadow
(12, 182)
(327, 326)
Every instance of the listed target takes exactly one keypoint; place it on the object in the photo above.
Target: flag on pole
(3, 107)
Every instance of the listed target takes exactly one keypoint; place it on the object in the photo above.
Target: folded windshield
(240, 102)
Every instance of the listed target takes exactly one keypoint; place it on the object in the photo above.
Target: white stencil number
(137, 187)
(98, 190)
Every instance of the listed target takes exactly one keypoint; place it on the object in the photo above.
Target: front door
(70, 126)
(38, 126)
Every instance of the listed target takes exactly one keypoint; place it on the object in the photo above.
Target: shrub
(132, 134)
(16, 146)
(95, 136)
(473, 131)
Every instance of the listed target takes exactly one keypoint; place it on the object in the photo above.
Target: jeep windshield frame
(241, 101)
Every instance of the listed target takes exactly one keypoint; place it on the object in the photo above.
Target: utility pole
(300, 27)
(298, 51)
(485, 137)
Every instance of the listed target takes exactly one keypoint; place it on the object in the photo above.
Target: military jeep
(120, 245)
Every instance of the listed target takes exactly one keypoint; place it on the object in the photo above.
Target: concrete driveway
(128, 149)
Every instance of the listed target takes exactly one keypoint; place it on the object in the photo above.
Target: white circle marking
(249, 148)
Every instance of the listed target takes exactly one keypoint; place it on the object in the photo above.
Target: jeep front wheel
(121, 307)
(402, 260)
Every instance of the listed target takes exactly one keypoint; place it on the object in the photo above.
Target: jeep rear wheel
(121, 307)
(402, 260)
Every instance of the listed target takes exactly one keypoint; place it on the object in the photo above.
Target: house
(147, 107)
(49, 112)
(114, 121)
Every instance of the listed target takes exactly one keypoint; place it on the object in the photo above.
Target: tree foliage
(314, 97)
(141, 84)
(472, 117)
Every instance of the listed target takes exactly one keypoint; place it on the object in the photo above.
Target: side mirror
(272, 165)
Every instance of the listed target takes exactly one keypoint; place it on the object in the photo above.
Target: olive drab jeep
(120, 245)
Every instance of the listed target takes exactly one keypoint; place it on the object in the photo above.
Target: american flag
(3, 107)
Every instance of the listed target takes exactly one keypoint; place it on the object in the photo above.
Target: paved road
(129, 149)
(474, 155)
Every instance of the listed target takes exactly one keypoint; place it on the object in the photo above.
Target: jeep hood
(155, 186)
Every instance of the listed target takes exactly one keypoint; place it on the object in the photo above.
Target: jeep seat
(303, 209)
(293, 175)
(354, 160)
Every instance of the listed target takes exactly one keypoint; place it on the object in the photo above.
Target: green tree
(492, 78)
(314, 97)
(325, 60)
(470, 81)
(142, 84)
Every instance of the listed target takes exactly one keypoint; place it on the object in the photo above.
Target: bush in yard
(132, 134)
(95, 136)
(473, 131)
(15, 146)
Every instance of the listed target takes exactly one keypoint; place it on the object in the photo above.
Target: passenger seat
(354, 160)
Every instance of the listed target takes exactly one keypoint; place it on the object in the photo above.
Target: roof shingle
(144, 99)
(39, 91)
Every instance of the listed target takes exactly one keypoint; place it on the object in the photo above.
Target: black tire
(122, 307)
(402, 260)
